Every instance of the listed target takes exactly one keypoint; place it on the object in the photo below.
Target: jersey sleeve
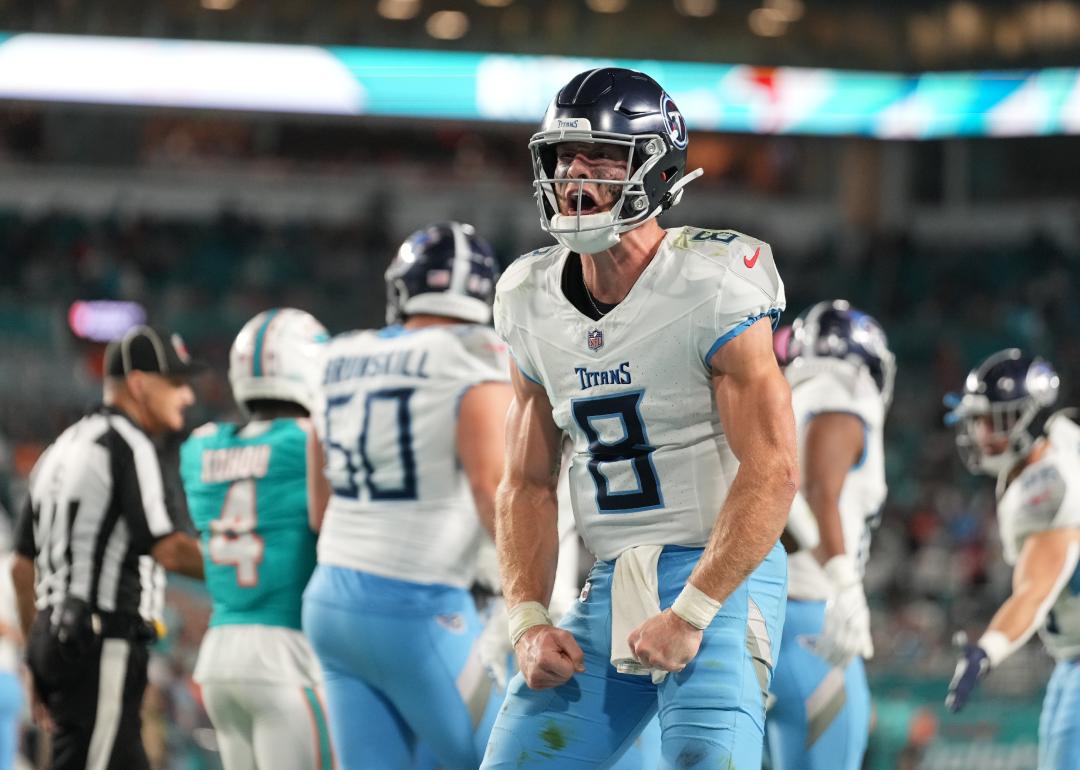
(747, 289)
(836, 387)
(1046, 502)
(139, 485)
(508, 325)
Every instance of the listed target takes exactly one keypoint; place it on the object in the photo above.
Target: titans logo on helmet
(675, 122)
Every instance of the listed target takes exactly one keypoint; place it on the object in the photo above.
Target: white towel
(635, 598)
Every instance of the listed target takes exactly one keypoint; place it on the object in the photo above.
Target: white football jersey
(822, 386)
(650, 462)
(1046, 495)
(401, 504)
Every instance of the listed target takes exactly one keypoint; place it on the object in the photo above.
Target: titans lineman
(246, 486)
(1004, 429)
(411, 433)
(841, 373)
(652, 350)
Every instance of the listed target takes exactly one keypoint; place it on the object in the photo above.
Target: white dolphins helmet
(277, 356)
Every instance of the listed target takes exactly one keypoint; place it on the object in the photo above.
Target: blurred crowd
(935, 566)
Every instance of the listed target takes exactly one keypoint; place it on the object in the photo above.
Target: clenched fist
(548, 656)
(665, 642)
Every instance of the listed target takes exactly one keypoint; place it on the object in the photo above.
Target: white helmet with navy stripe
(443, 269)
(276, 357)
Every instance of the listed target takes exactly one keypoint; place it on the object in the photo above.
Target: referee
(91, 544)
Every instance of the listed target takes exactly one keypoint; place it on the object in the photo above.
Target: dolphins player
(841, 374)
(411, 431)
(652, 350)
(1004, 428)
(247, 489)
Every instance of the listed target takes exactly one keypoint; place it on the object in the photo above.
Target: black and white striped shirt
(97, 505)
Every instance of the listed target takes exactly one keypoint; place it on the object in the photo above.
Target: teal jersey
(246, 488)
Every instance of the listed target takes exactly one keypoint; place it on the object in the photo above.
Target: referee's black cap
(146, 349)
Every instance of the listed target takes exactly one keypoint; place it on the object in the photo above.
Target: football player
(652, 350)
(411, 430)
(247, 489)
(841, 374)
(1004, 429)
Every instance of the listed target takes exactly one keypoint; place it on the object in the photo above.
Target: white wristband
(524, 616)
(695, 607)
(996, 646)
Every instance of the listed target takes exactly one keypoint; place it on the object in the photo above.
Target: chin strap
(675, 193)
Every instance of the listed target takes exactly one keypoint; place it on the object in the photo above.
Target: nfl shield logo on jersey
(595, 338)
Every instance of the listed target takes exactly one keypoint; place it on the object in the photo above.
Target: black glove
(970, 669)
(74, 629)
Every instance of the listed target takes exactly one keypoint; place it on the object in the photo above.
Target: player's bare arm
(754, 402)
(834, 443)
(527, 536)
(179, 552)
(1047, 561)
(481, 430)
(22, 578)
(318, 488)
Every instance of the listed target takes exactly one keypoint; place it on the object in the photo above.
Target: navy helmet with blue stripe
(1002, 409)
(834, 329)
(443, 269)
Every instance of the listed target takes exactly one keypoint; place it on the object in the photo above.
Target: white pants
(269, 726)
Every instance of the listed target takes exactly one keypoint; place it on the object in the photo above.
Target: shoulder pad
(483, 345)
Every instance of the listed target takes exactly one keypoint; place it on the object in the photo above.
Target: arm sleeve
(744, 295)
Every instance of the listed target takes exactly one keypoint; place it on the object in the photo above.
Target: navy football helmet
(835, 330)
(443, 269)
(1002, 410)
(629, 110)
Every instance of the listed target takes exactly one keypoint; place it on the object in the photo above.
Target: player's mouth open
(586, 202)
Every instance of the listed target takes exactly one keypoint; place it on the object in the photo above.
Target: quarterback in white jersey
(1003, 429)
(409, 455)
(651, 349)
(841, 373)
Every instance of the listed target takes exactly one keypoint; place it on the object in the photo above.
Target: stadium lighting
(606, 6)
(767, 22)
(494, 3)
(218, 5)
(696, 8)
(447, 25)
(786, 10)
(398, 10)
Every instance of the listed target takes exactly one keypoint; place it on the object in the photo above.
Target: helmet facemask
(980, 422)
(632, 191)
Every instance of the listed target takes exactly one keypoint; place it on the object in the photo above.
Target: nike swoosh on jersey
(751, 261)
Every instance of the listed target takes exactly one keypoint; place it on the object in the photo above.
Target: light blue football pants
(1059, 725)
(821, 717)
(711, 715)
(400, 670)
(11, 704)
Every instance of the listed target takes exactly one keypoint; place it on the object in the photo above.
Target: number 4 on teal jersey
(232, 536)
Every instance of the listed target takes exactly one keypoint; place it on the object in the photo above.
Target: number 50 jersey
(650, 463)
(401, 504)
